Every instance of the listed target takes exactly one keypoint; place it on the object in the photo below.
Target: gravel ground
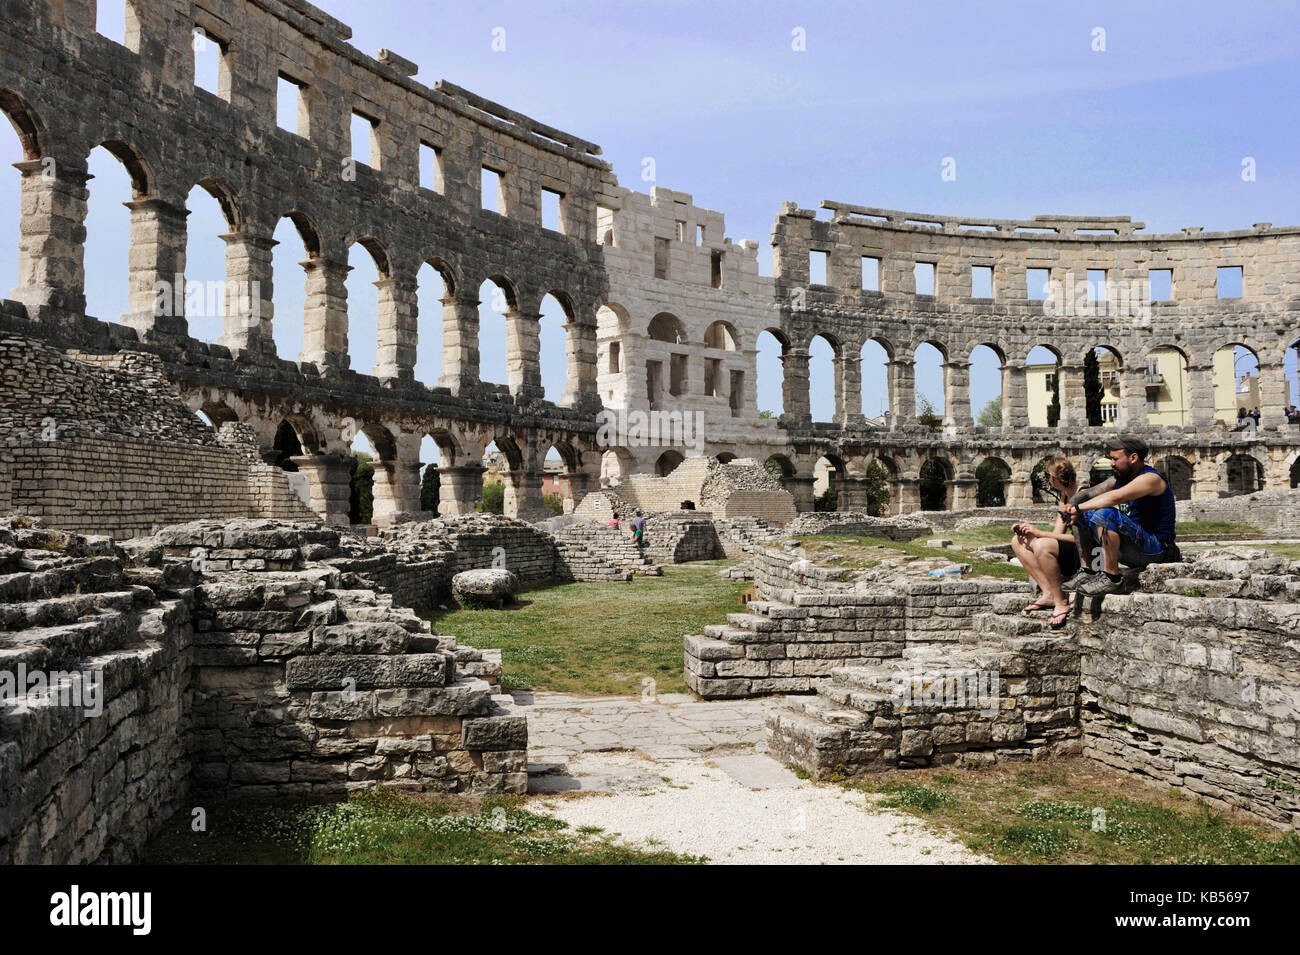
(696, 807)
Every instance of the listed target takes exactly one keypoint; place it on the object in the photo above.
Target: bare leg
(1029, 560)
(1045, 549)
(1110, 550)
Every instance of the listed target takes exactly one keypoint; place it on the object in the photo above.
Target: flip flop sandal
(1059, 618)
(1036, 606)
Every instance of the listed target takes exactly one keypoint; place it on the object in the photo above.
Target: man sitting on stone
(1107, 536)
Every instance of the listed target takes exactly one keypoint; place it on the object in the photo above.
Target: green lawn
(382, 827)
(601, 638)
(867, 552)
(1048, 813)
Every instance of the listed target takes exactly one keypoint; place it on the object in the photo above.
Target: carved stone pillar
(325, 315)
(248, 311)
(460, 369)
(398, 327)
(156, 270)
(51, 236)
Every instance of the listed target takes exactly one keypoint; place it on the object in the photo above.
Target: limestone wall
(1273, 512)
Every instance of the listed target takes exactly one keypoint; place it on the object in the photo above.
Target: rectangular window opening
(715, 269)
(712, 376)
(551, 210)
(1036, 284)
(211, 63)
(604, 225)
(736, 396)
(291, 105)
(677, 375)
(681, 230)
(490, 190)
(818, 267)
(981, 281)
(110, 19)
(431, 172)
(661, 258)
(653, 376)
(699, 235)
(924, 275)
(1229, 281)
(1160, 283)
(615, 358)
(1096, 285)
(365, 139)
(870, 274)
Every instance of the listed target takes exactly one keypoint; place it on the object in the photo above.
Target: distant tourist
(1108, 537)
(1255, 414)
(638, 529)
(1292, 414)
(1050, 556)
(613, 522)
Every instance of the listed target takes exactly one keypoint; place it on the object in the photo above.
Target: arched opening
(1043, 386)
(1244, 475)
(11, 151)
(780, 467)
(721, 335)
(108, 233)
(991, 479)
(1041, 487)
(434, 289)
(612, 326)
(1291, 371)
(668, 462)
(1166, 382)
(211, 216)
(880, 487)
(297, 248)
(770, 366)
(666, 327)
(725, 457)
(431, 461)
(496, 308)
(1295, 473)
(559, 472)
(496, 479)
(366, 284)
(828, 474)
(1236, 385)
(1102, 385)
(824, 378)
(934, 484)
(875, 357)
(553, 356)
(1177, 472)
(615, 466)
(986, 363)
(928, 374)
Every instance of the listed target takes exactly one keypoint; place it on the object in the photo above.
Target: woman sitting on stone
(1050, 556)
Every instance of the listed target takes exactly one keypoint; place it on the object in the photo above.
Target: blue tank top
(1154, 513)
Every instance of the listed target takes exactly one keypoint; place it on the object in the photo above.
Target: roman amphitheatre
(195, 613)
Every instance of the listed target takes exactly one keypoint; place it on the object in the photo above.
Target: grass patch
(865, 553)
(1072, 811)
(601, 638)
(1192, 528)
(383, 827)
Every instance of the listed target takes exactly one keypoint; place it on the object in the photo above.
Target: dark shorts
(1067, 557)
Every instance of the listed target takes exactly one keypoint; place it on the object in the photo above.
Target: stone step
(707, 648)
(758, 623)
(1008, 625)
(826, 710)
(59, 611)
(64, 646)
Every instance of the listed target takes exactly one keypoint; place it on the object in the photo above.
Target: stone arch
(498, 312)
(876, 377)
(1045, 396)
(1179, 473)
(765, 364)
(668, 462)
(289, 301)
(615, 466)
(978, 357)
(1109, 406)
(723, 336)
(32, 134)
(934, 479)
(557, 351)
(667, 327)
(817, 372)
(1168, 395)
(209, 257)
(1236, 380)
(937, 395)
(1241, 472)
(828, 486)
(218, 412)
(137, 167)
(992, 475)
(115, 285)
(570, 483)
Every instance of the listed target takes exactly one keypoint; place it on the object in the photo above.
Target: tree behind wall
(1092, 390)
(430, 485)
(875, 484)
(991, 414)
(927, 414)
(933, 485)
(494, 499)
(1054, 409)
(361, 499)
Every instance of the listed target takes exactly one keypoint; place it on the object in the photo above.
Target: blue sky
(1155, 126)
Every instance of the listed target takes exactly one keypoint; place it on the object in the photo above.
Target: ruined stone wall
(678, 537)
(1194, 683)
(101, 444)
(234, 662)
(1273, 512)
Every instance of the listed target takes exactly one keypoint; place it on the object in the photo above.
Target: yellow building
(1164, 380)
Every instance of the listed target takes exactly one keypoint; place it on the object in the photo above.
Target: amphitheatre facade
(663, 313)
